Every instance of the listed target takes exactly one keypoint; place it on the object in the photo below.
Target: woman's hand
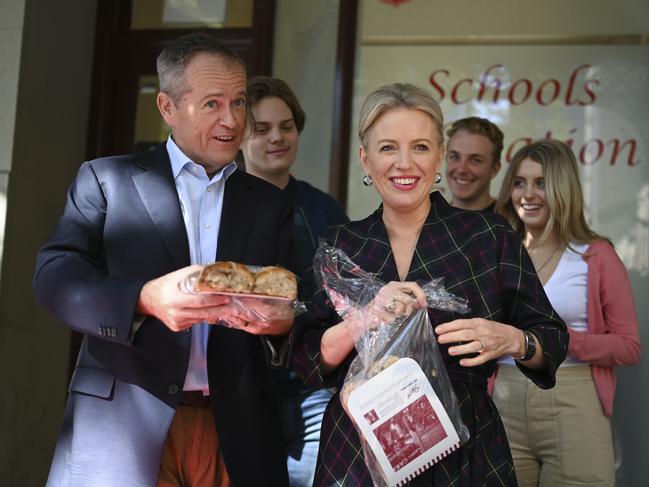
(490, 340)
(393, 300)
(398, 298)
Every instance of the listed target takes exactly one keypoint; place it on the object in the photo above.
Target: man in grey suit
(159, 396)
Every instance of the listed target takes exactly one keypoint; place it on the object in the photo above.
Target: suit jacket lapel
(378, 238)
(158, 192)
(237, 217)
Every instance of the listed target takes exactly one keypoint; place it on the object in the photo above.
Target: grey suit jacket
(121, 227)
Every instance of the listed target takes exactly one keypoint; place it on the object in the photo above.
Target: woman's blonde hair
(563, 193)
(397, 95)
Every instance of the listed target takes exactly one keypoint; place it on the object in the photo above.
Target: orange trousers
(191, 456)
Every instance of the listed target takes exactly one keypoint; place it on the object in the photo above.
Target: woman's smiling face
(528, 195)
(402, 155)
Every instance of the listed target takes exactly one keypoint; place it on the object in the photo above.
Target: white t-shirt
(567, 290)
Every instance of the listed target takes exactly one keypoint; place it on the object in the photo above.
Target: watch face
(530, 345)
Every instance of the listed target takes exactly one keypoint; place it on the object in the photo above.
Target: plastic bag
(393, 445)
(249, 307)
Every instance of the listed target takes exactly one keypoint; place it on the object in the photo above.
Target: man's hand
(163, 299)
(262, 315)
(275, 327)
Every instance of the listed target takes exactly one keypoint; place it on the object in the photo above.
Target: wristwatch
(530, 347)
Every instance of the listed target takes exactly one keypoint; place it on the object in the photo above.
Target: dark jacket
(122, 226)
(314, 212)
(321, 210)
(318, 211)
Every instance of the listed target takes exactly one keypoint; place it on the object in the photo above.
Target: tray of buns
(279, 299)
(257, 293)
(242, 281)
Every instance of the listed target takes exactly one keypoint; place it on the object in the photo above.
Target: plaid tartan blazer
(482, 260)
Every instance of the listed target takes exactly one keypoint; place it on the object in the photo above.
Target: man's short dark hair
(480, 126)
(174, 58)
(261, 87)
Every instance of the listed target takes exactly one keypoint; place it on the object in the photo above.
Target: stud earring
(438, 178)
(367, 180)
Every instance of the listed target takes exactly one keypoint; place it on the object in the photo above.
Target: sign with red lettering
(495, 85)
(595, 98)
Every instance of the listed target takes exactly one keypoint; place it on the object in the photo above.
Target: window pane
(150, 129)
(183, 14)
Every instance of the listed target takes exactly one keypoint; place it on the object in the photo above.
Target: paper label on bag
(403, 421)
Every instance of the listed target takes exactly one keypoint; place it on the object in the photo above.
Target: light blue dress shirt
(201, 201)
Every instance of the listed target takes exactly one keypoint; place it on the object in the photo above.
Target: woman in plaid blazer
(413, 237)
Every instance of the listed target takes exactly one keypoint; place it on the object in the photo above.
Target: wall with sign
(572, 74)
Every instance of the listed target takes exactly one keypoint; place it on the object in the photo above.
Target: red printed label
(410, 432)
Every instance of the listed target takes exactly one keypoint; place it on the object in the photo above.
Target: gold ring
(483, 347)
(390, 308)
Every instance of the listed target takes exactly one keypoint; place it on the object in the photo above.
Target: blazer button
(113, 332)
(173, 389)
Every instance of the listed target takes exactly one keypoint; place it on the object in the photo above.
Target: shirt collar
(179, 160)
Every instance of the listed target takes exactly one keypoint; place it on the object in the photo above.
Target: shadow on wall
(629, 427)
(633, 247)
(630, 422)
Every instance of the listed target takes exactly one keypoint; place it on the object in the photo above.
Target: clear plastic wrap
(246, 306)
(383, 335)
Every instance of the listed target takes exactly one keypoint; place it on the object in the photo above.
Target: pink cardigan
(613, 337)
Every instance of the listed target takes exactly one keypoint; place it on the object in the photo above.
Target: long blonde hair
(563, 193)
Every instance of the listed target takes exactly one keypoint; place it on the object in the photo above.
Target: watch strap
(530, 347)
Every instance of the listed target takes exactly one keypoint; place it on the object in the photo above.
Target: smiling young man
(472, 161)
(269, 149)
(160, 396)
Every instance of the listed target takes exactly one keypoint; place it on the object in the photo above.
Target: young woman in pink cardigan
(563, 436)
